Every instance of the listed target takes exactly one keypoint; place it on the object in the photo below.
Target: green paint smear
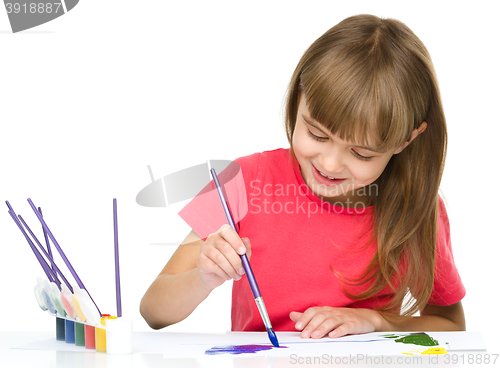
(390, 336)
(420, 338)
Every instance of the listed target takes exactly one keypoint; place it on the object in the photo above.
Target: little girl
(346, 231)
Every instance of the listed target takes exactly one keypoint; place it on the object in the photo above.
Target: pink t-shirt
(300, 242)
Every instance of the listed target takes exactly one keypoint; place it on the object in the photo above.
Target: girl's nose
(332, 163)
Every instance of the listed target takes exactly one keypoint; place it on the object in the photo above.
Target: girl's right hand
(219, 258)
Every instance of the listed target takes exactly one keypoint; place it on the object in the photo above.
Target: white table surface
(12, 357)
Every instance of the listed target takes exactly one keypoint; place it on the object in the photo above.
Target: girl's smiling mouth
(324, 179)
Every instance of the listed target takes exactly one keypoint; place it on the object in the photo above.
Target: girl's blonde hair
(371, 81)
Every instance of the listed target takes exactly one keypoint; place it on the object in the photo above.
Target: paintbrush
(248, 270)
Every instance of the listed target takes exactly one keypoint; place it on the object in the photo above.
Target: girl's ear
(414, 135)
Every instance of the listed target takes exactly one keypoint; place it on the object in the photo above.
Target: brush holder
(119, 334)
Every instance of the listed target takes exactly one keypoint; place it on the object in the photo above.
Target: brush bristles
(273, 338)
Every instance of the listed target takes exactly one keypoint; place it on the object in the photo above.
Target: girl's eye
(364, 158)
(322, 139)
(314, 136)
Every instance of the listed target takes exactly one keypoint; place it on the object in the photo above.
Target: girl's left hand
(317, 322)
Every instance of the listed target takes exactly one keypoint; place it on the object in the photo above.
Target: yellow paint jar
(100, 334)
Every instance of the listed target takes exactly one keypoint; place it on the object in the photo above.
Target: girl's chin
(327, 191)
(332, 190)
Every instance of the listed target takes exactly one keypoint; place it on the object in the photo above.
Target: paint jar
(89, 337)
(70, 331)
(60, 329)
(119, 334)
(100, 334)
(100, 339)
(79, 334)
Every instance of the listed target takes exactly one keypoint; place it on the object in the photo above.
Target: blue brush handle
(244, 259)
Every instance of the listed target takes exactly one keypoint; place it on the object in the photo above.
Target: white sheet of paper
(372, 344)
(195, 345)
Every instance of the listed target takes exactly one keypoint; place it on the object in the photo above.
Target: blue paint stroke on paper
(252, 349)
(238, 349)
(316, 341)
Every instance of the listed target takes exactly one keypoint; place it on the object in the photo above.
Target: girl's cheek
(298, 148)
(302, 146)
(366, 178)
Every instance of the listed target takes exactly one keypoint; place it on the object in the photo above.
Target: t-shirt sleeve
(448, 287)
(205, 214)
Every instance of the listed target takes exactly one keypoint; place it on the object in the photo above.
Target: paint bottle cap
(75, 301)
(55, 295)
(119, 336)
(66, 297)
(46, 297)
(88, 308)
(38, 294)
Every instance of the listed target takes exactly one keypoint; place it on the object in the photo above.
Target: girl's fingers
(303, 319)
(223, 255)
(221, 241)
(316, 322)
(227, 250)
(327, 326)
(208, 266)
(219, 256)
(294, 316)
(342, 330)
(306, 317)
(231, 236)
(248, 246)
(313, 327)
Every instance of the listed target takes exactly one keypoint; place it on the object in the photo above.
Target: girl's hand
(219, 258)
(317, 322)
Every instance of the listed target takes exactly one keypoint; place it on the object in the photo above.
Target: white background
(89, 100)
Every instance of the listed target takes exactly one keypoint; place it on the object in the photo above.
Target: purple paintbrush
(49, 256)
(246, 265)
(48, 271)
(117, 263)
(61, 253)
(49, 249)
(55, 270)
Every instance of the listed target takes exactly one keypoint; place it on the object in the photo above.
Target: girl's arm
(166, 301)
(317, 322)
(432, 318)
(193, 271)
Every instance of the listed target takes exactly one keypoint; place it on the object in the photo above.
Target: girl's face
(335, 169)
